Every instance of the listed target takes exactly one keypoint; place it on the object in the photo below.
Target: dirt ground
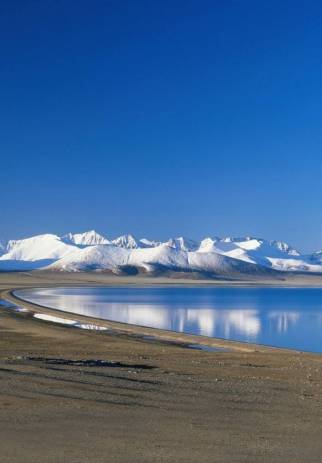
(70, 395)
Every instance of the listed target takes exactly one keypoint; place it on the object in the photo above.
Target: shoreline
(154, 334)
(68, 394)
(158, 334)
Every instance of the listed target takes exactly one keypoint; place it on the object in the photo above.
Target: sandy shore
(70, 395)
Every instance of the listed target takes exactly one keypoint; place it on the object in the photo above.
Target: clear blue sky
(162, 118)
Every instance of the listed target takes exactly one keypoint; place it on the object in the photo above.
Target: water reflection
(283, 320)
(282, 317)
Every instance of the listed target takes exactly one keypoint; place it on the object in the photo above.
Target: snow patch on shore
(69, 322)
(90, 326)
(51, 318)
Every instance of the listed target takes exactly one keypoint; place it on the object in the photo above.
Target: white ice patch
(68, 321)
(90, 326)
(51, 318)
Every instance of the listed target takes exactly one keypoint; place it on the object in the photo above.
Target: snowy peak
(250, 242)
(126, 241)
(90, 238)
(284, 247)
(231, 239)
(145, 243)
(207, 245)
(182, 244)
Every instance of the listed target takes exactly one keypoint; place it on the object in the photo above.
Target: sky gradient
(163, 118)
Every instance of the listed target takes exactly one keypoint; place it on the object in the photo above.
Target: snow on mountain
(315, 258)
(272, 254)
(144, 243)
(99, 257)
(252, 243)
(111, 257)
(89, 238)
(92, 251)
(159, 256)
(183, 244)
(300, 264)
(2, 248)
(162, 257)
(231, 239)
(249, 250)
(285, 248)
(224, 265)
(208, 245)
(126, 241)
(131, 242)
(36, 248)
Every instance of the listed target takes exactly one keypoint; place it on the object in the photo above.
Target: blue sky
(162, 118)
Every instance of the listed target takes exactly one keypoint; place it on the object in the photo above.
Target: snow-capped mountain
(89, 238)
(33, 253)
(155, 259)
(126, 241)
(145, 243)
(208, 244)
(272, 254)
(127, 254)
(183, 244)
(130, 242)
(36, 248)
(285, 248)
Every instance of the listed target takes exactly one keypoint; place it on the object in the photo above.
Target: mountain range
(215, 257)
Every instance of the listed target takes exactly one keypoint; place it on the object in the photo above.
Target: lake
(283, 317)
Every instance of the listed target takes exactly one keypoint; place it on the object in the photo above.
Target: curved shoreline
(157, 334)
(135, 330)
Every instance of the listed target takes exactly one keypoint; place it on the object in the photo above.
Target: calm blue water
(284, 317)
